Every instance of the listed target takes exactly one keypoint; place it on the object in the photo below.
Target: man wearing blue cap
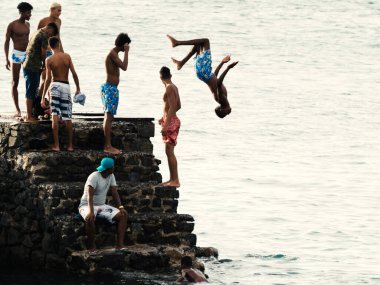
(93, 203)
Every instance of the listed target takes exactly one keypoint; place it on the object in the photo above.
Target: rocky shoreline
(40, 192)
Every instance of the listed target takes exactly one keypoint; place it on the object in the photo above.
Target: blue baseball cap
(105, 164)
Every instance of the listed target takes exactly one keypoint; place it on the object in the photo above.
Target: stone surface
(40, 191)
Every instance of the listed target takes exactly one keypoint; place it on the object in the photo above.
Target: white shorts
(104, 211)
(18, 56)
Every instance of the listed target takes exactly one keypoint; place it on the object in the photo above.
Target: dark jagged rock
(40, 191)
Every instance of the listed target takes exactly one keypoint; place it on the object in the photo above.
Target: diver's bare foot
(112, 150)
(178, 63)
(55, 148)
(17, 114)
(173, 41)
(232, 65)
(70, 148)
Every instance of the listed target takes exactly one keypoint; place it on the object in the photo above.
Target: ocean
(287, 186)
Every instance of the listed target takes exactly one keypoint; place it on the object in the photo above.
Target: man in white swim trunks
(18, 31)
(57, 68)
(93, 203)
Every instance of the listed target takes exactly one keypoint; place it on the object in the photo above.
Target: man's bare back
(60, 64)
(43, 22)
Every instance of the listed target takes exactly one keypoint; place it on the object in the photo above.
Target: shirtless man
(109, 91)
(188, 273)
(170, 124)
(18, 31)
(55, 11)
(34, 62)
(57, 68)
(202, 61)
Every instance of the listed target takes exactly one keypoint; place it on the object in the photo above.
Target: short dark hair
(24, 7)
(53, 42)
(165, 72)
(187, 261)
(122, 39)
(54, 27)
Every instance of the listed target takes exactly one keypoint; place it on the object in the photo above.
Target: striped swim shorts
(61, 104)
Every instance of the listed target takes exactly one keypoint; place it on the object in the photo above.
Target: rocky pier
(40, 192)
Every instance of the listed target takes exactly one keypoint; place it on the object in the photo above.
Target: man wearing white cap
(93, 203)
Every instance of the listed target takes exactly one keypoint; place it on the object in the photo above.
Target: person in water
(190, 274)
(203, 69)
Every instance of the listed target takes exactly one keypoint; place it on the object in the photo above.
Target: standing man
(55, 11)
(58, 66)
(93, 203)
(170, 124)
(109, 91)
(18, 31)
(34, 62)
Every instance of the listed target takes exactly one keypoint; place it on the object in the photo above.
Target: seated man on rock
(93, 203)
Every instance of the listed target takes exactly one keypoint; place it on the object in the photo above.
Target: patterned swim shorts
(172, 132)
(18, 56)
(110, 98)
(202, 65)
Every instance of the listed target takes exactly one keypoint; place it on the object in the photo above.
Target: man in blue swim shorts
(203, 70)
(109, 91)
(18, 31)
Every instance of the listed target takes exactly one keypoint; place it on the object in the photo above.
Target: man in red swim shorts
(170, 124)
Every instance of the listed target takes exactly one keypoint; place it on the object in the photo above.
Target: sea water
(287, 186)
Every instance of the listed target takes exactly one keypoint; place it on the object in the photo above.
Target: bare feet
(30, 119)
(173, 41)
(178, 63)
(174, 184)
(171, 183)
(93, 251)
(121, 248)
(112, 150)
(17, 114)
(164, 183)
(55, 148)
(232, 65)
(70, 148)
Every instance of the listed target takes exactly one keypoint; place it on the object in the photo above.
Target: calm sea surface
(287, 186)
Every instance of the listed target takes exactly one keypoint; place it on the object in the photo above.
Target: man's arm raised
(121, 64)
